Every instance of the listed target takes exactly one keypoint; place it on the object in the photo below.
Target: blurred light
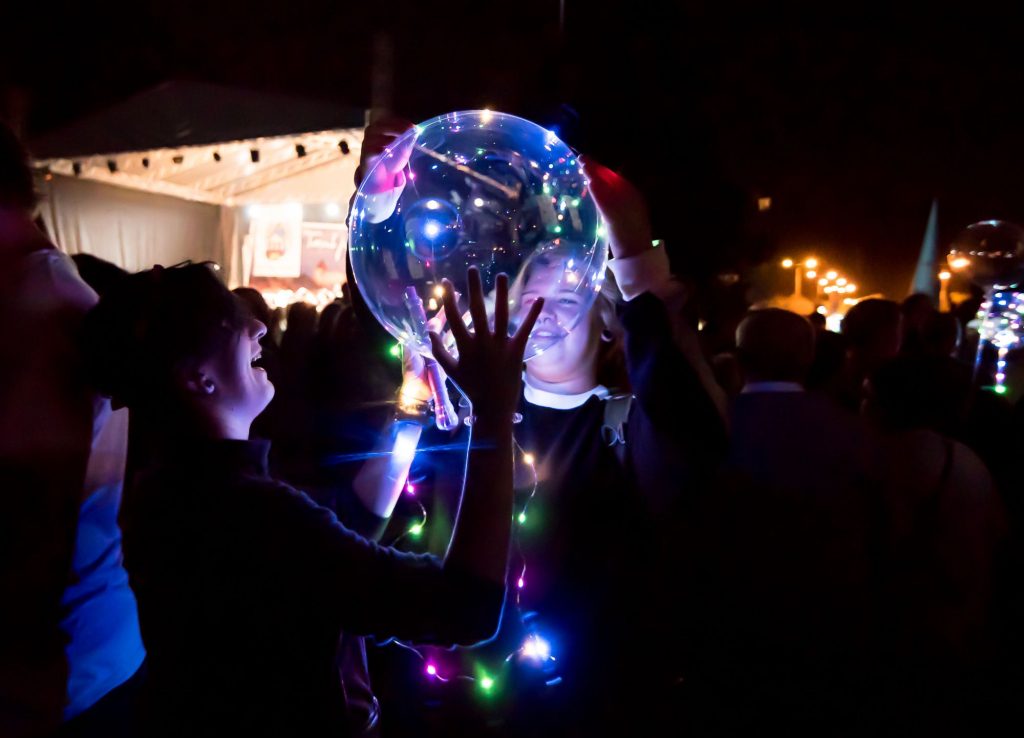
(396, 350)
(787, 263)
(486, 683)
(811, 274)
(521, 583)
(405, 443)
(851, 288)
(332, 209)
(841, 281)
(479, 202)
(431, 229)
(439, 291)
(431, 670)
(486, 116)
(944, 275)
(834, 322)
(823, 281)
(536, 648)
(1000, 389)
(409, 488)
(416, 529)
(960, 263)
(522, 518)
(528, 459)
(432, 304)
(764, 203)
(811, 263)
(822, 310)
(832, 274)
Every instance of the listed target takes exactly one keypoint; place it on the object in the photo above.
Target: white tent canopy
(269, 209)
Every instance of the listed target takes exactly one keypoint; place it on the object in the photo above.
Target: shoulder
(50, 274)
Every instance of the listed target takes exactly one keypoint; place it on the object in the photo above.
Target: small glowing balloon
(432, 229)
(991, 253)
(481, 189)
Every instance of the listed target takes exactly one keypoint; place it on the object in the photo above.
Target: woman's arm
(667, 367)
(383, 592)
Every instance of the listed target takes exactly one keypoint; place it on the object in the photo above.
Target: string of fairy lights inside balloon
(535, 650)
(999, 319)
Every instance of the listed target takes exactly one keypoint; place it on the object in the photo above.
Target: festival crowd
(222, 519)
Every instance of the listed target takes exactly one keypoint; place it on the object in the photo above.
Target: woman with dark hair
(245, 586)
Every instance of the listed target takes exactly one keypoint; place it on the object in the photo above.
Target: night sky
(851, 124)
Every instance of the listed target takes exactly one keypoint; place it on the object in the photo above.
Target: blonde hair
(607, 329)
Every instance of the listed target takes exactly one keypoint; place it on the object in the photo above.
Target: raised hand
(622, 207)
(490, 363)
(390, 174)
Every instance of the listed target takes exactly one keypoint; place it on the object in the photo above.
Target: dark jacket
(245, 588)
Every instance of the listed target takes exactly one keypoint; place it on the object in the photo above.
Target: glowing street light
(944, 277)
(811, 263)
(960, 263)
(787, 263)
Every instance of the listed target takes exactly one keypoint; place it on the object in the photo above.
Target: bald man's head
(775, 346)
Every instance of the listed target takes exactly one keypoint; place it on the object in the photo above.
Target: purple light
(409, 488)
(431, 670)
(521, 583)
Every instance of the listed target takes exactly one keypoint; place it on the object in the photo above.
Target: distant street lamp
(810, 263)
(944, 277)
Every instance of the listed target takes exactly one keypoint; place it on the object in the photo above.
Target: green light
(557, 229)
(576, 203)
(486, 683)
(416, 529)
(522, 518)
(1000, 389)
(396, 351)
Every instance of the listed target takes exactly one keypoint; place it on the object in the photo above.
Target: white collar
(543, 398)
(751, 387)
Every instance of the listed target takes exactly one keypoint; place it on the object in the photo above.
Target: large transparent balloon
(480, 189)
(991, 253)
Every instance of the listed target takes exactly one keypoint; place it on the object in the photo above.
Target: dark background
(850, 119)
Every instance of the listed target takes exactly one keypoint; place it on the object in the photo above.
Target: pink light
(409, 488)
(521, 583)
(431, 670)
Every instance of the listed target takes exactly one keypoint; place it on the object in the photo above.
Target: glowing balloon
(991, 253)
(480, 189)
